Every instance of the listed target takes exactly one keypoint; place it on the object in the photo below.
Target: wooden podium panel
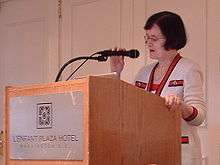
(122, 124)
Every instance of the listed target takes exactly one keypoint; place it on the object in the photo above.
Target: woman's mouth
(151, 50)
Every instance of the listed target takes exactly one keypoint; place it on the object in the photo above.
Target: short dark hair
(171, 26)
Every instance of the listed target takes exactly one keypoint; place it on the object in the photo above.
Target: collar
(166, 76)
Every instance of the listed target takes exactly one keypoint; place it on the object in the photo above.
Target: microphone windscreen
(134, 53)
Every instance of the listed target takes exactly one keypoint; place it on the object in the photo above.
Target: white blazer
(185, 81)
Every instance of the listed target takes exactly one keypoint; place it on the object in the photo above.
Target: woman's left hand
(172, 101)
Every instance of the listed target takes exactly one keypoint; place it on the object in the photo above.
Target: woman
(177, 79)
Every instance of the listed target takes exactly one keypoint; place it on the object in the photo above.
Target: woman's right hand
(117, 62)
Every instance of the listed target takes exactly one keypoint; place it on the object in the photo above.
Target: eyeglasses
(153, 39)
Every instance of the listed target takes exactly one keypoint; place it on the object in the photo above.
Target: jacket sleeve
(194, 94)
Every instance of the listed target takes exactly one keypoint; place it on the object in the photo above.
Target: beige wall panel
(133, 19)
(25, 33)
(213, 60)
(88, 27)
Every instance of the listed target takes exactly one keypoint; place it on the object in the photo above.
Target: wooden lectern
(122, 124)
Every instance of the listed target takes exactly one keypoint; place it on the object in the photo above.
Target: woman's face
(155, 40)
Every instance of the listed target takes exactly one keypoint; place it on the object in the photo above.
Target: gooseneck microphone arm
(99, 58)
(103, 56)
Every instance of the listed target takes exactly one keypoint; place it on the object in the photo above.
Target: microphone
(133, 53)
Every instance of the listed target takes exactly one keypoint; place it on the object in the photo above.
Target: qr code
(44, 115)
